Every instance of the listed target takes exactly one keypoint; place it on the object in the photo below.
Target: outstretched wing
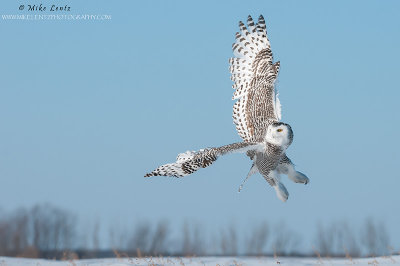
(190, 161)
(254, 75)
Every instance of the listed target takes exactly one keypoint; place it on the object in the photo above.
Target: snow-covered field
(393, 260)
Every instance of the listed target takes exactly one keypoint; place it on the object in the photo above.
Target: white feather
(278, 107)
(182, 157)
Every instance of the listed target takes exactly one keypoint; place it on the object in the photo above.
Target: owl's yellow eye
(279, 130)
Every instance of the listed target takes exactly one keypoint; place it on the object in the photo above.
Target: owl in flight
(256, 114)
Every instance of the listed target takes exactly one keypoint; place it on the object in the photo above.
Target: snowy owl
(256, 114)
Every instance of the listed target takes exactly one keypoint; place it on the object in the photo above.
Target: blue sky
(88, 107)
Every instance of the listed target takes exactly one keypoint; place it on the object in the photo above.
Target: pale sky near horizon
(88, 107)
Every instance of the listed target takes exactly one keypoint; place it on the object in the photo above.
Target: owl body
(268, 161)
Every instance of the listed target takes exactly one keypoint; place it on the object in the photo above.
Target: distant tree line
(37, 231)
(50, 232)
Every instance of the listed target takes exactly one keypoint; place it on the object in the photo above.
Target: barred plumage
(191, 161)
(254, 75)
(256, 115)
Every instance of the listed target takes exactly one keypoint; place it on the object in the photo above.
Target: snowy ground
(393, 260)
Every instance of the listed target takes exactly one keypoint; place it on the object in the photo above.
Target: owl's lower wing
(191, 161)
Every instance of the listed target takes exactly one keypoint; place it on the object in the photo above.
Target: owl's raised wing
(254, 74)
(191, 161)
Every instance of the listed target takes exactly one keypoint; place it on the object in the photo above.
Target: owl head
(279, 134)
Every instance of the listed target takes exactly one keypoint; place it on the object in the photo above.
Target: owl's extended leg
(273, 180)
(281, 192)
(286, 167)
(252, 171)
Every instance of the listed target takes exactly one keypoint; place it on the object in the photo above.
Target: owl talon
(299, 177)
